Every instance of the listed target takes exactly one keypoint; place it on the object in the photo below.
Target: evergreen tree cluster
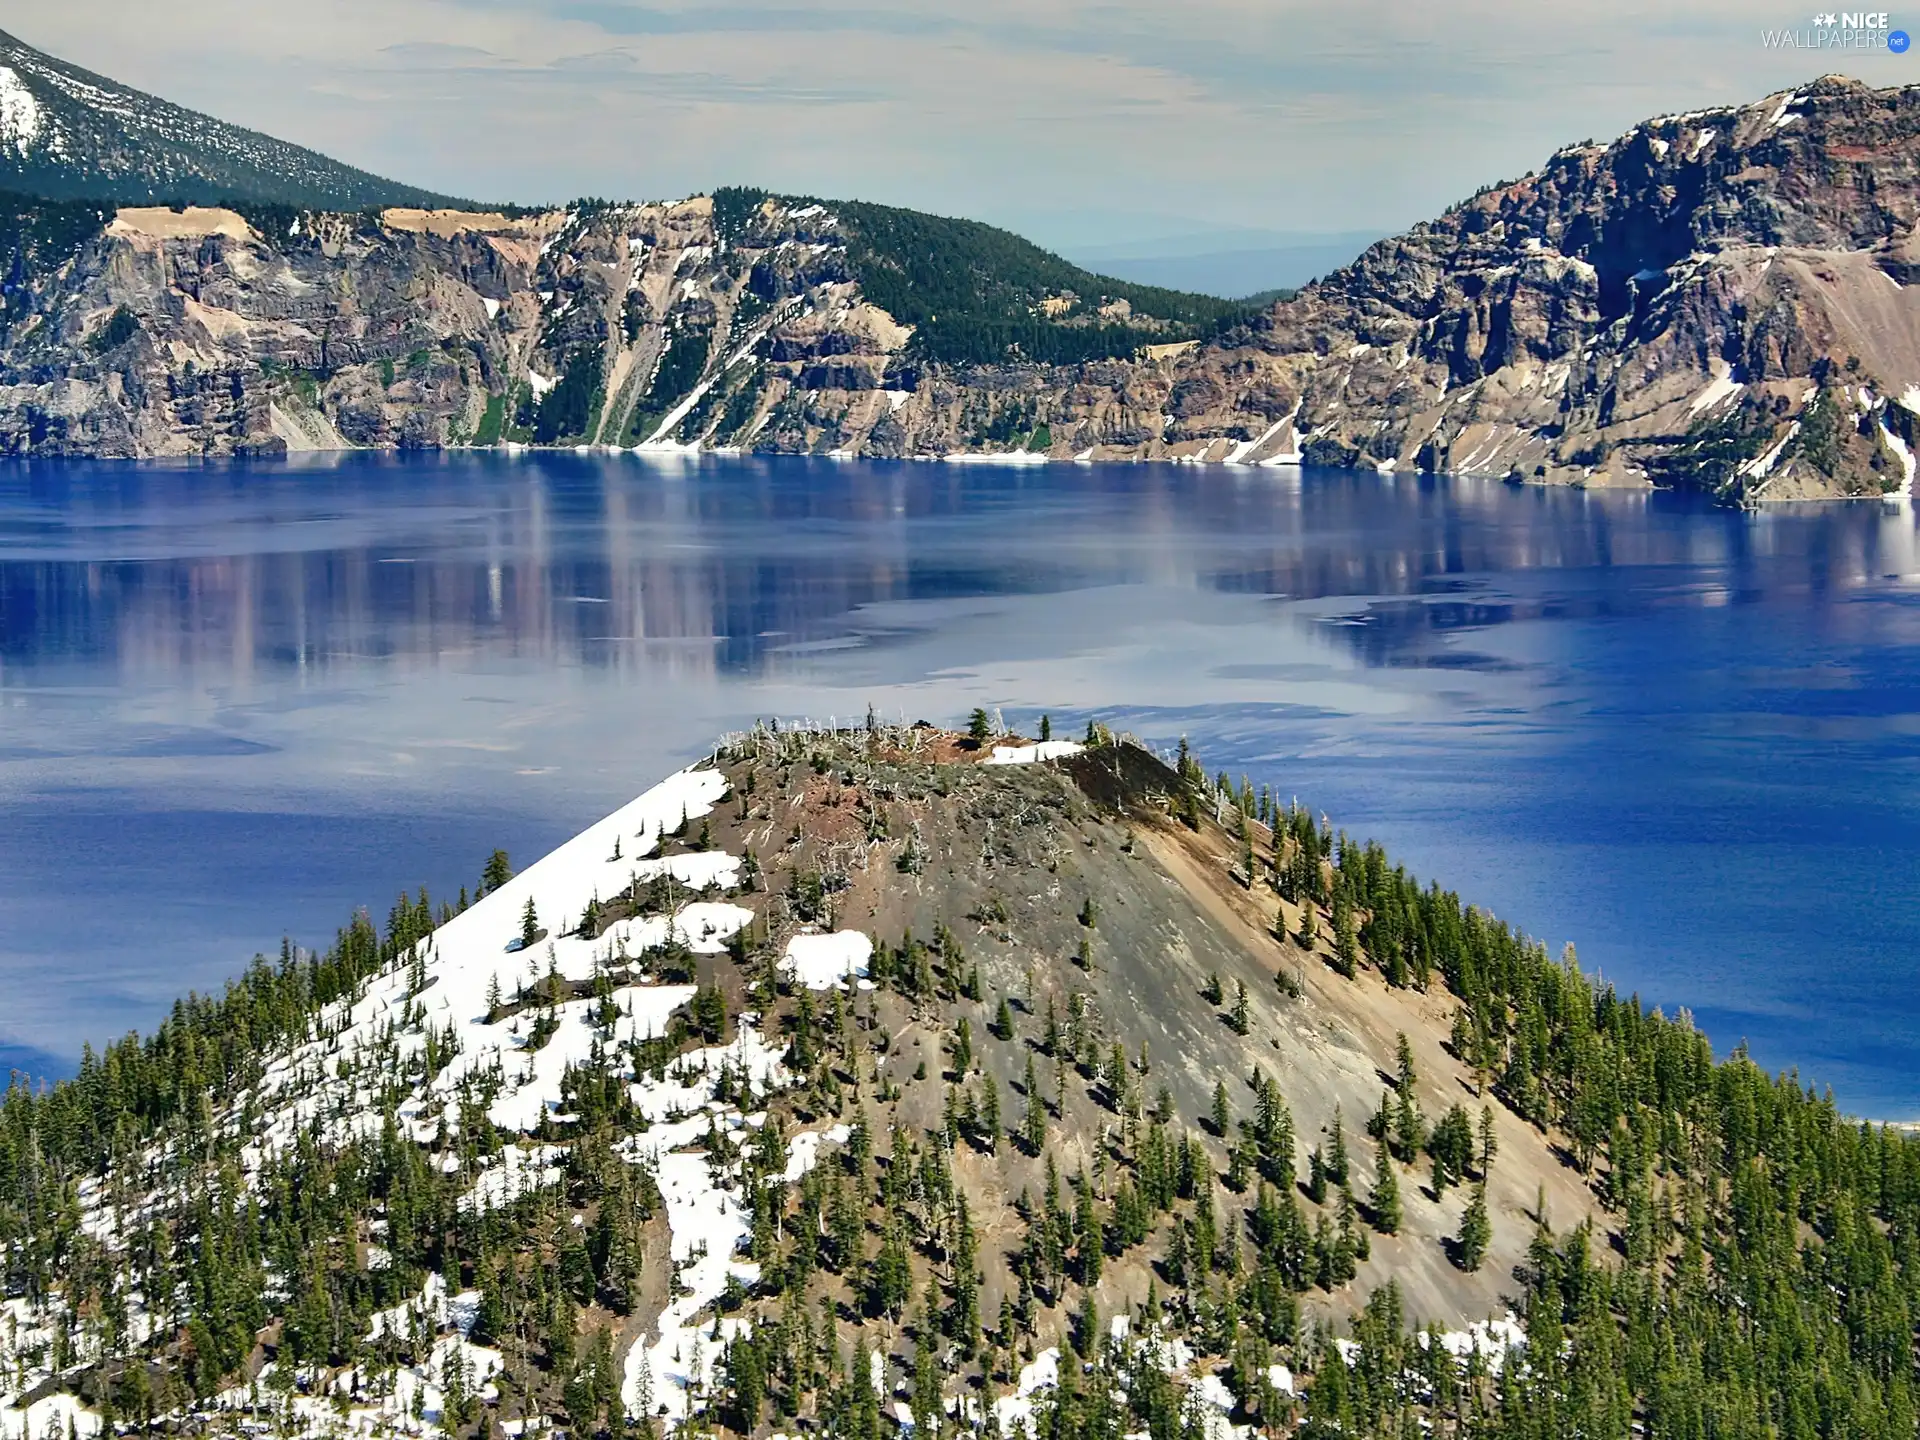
(974, 293)
(1758, 1273)
(1751, 1267)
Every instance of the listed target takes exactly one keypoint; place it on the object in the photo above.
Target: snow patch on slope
(1032, 754)
(822, 962)
(1899, 447)
(1762, 465)
(504, 1020)
(1721, 387)
(709, 1223)
(21, 118)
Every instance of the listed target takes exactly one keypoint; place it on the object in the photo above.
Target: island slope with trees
(896, 1090)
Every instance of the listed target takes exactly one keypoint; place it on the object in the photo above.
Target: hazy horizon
(1080, 123)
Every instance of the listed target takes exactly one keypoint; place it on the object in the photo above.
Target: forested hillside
(978, 295)
(856, 1085)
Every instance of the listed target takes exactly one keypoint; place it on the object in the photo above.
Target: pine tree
(1476, 1230)
(1489, 1143)
(1239, 1167)
(926, 1398)
(497, 873)
(1354, 1243)
(529, 926)
(1241, 1021)
(1034, 1129)
(1384, 1199)
(1337, 1151)
(1409, 1127)
(1380, 1123)
(1046, 728)
(963, 1320)
(1309, 935)
(1222, 1115)
(979, 727)
(1346, 940)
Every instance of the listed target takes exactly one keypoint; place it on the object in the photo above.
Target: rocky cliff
(1717, 298)
(747, 323)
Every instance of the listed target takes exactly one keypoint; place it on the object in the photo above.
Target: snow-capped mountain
(69, 134)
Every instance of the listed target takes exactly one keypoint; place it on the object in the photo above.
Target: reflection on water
(234, 699)
(241, 574)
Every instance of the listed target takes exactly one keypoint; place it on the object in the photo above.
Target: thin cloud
(1078, 121)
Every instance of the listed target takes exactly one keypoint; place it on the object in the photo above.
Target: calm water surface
(238, 702)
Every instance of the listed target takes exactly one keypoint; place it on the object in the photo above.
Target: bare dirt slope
(1006, 858)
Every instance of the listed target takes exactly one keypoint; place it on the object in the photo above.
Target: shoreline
(1011, 460)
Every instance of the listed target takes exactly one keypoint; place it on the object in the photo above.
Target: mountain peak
(69, 134)
(1836, 84)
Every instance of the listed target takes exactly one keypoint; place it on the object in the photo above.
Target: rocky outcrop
(1679, 304)
(1718, 298)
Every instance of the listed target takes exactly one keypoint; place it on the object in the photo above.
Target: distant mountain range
(1229, 264)
(68, 134)
(1718, 299)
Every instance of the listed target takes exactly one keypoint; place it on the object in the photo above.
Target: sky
(1082, 123)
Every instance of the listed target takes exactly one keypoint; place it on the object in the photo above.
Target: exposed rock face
(1716, 298)
(1677, 303)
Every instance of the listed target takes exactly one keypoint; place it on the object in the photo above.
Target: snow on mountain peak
(21, 119)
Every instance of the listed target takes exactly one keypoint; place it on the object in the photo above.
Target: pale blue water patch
(236, 702)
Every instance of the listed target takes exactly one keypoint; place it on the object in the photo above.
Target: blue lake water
(236, 702)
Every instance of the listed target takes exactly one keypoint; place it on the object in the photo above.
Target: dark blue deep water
(237, 702)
